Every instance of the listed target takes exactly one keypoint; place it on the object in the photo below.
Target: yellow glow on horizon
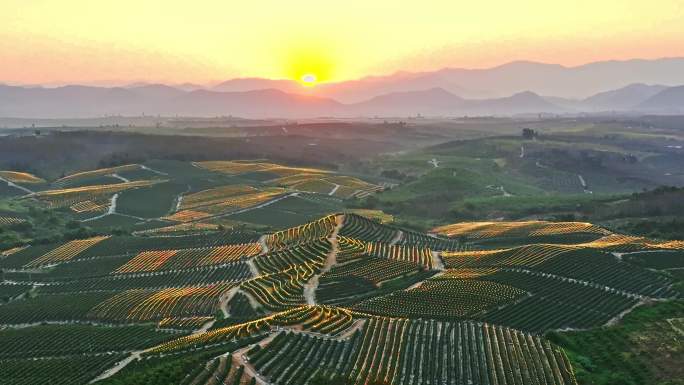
(213, 40)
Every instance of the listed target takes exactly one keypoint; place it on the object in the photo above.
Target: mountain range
(649, 86)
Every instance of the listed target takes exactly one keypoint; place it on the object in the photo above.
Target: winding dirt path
(239, 358)
(110, 211)
(397, 238)
(311, 286)
(437, 262)
(264, 245)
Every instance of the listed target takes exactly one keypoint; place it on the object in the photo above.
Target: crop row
(321, 228)
(375, 270)
(61, 340)
(70, 370)
(292, 317)
(590, 265)
(279, 291)
(356, 226)
(444, 298)
(417, 255)
(145, 305)
(311, 252)
(400, 351)
(233, 272)
(188, 258)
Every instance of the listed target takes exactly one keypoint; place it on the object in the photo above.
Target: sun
(309, 80)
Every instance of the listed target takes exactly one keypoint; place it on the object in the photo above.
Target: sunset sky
(203, 41)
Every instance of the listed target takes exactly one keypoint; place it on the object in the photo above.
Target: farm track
(264, 245)
(437, 262)
(142, 166)
(262, 205)
(311, 286)
(119, 177)
(12, 184)
(397, 238)
(110, 211)
(240, 359)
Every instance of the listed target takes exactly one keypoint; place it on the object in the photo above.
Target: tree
(528, 133)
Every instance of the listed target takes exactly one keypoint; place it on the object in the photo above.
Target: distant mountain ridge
(577, 82)
(448, 92)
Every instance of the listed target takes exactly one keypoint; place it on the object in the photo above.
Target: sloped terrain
(344, 297)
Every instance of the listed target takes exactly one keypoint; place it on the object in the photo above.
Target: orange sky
(173, 41)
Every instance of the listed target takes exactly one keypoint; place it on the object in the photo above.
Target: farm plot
(147, 305)
(210, 275)
(214, 196)
(570, 262)
(532, 230)
(20, 177)
(400, 351)
(334, 185)
(61, 340)
(313, 253)
(87, 177)
(412, 238)
(8, 221)
(555, 303)
(244, 167)
(417, 255)
(281, 290)
(66, 251)
(69, 370)
(444, 296)
(9, 291)
(51, 307)
(331, 319)
(188, 258)
(150, 202)
(83, 198)
(321, 228)
(356, 226)
(374, 270)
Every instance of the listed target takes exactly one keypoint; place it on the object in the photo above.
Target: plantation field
(252, 272)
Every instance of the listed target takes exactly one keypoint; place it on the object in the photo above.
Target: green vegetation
(645, 348)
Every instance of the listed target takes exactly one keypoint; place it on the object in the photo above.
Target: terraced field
(345, 297)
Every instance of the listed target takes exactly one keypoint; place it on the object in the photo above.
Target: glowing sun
(309, 80)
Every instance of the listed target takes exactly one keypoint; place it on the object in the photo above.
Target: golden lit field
(96, 173)
(66, 251)
(222, 200)
(74, 196)
(241, 167)
(20, 177)
(187, 216)
(482, 230)
(378, 215)
(214, 196)
(88, 206)
(181, 227)
(8, 252)
(154, 260)
(336, 185)
(145, 305)
(6, 221)
(468, 273)
(230, 253)
(147, 261)
(241, 201)
(630, 243)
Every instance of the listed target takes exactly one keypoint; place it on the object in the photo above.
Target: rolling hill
(195, 297)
